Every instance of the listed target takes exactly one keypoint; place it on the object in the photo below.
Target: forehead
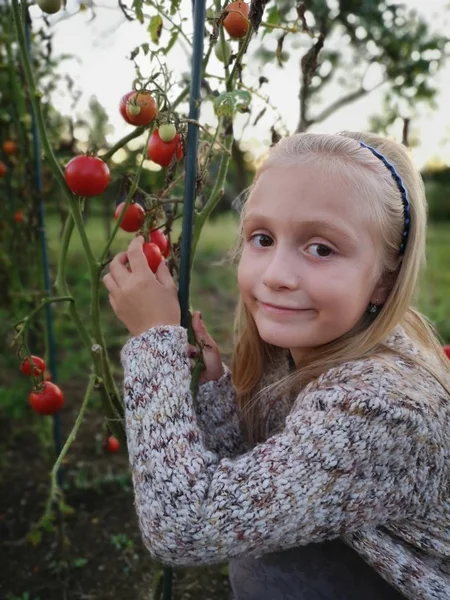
(306, 192)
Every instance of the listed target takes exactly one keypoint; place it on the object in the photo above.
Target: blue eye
(264, 240)
(322, 250)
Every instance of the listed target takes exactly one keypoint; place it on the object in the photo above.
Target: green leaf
(174, 6)
(229, 103)
(273, 18)
(137, 5)
(172, 41)
(155, 28)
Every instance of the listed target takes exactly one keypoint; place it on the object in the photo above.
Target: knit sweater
(362, 454)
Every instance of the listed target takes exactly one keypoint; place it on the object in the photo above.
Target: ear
(383, 288)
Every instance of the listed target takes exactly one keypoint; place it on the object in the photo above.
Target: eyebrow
(307, 225)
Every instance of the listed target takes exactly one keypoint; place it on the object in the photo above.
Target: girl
(319, 467)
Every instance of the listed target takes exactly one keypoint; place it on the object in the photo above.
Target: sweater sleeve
(217, 416)
(329, 472)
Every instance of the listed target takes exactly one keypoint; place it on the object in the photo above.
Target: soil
(103, 556)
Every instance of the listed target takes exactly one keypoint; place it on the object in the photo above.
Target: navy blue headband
(404, 194)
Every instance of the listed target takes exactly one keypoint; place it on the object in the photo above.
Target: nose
(281, 271)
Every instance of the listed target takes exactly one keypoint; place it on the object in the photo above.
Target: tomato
(167, 132)
(153, 255)
(225, 58)
(447, 351)
(9, 147)
(18, 217)
(141, 108)
(157, 237)
(236, 23)
(134, 217)
(112, 444)
(39, 366)
(87, 175)
(47, 401)
(123, 107)
(161, 152)
(3, 169)
(49, 6)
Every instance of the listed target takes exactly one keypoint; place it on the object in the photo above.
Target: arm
(329, 472)
(217, 416)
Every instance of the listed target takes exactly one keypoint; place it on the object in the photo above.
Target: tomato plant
(141, 108)
(87, 175)
(161, 152)
(134, 216)
(167, 132)
(236, 22)
(123, 107)
(48, 400)
(38, 366)
(157, 237)
(9, 147)
(112, 444)
(153, 255)
(49, 7)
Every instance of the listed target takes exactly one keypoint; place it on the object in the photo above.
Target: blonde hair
(343, 155)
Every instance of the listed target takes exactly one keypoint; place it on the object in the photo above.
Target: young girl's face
(309, 263)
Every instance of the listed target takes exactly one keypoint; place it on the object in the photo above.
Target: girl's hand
(140, 298)
(210, 352)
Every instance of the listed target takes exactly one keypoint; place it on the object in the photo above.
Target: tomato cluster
(47, 398)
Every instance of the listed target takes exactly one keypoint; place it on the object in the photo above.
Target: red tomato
(87, 175)
(47, 401)
(39, 366)
(141, 108)
(134, 217)
(123, 107)
(161, 152)
(112, 444)
(9, 147)
(236, 23)
(153, 255)
(447, 351)
(18, 217)
(158, 238)
(3, 169)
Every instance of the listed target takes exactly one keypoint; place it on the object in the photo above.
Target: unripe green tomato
(49, 6)
(167, 132)
(218, 52)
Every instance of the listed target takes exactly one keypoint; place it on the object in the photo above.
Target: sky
(102, 68)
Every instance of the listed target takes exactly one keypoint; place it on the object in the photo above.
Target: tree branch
(343, 101)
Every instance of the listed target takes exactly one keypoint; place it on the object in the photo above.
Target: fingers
(200, 331)
(163, 275)
(117, 269)
(110, 284)
(136, 256)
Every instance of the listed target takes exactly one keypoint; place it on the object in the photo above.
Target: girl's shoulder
(387, 381)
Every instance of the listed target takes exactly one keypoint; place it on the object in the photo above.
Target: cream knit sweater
(362, 454)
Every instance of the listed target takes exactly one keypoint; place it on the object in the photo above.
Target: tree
(359, 46)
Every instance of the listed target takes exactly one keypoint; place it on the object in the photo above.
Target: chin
(277, 337)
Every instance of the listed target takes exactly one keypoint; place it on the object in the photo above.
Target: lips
(277, 307)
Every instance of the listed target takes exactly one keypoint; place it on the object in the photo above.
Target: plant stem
(122, 142)
(71, 437)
